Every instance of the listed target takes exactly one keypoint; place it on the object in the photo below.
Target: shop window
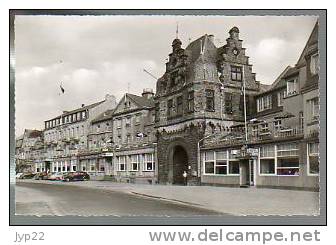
(209, 163)
(210, 100)
(313, 159)
(149, 162)
(191, 101)
(288, 159)
(221, 163)
(236, 73)
(233, 167)
(267, 166)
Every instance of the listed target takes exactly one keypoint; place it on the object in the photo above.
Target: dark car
(27, 176)
(76, 176)
(41, 176)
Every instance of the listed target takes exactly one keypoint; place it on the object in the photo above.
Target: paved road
(42, 199)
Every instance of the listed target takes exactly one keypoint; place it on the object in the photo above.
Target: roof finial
(176, 30)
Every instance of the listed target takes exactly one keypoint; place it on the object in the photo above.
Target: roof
(107, 115)
(33, 133)
(141, 101)
(264, 87)
(313, 39)
(292, 71)
(83, 108)
(203, 43)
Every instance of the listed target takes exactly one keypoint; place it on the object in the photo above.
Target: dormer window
(292, 87)
(314, 64)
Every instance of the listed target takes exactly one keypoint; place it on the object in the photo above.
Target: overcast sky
(96, 55)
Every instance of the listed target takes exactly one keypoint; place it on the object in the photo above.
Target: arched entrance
(180, 164)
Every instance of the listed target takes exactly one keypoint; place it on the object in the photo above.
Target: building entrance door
(246, 168)
(180, 164)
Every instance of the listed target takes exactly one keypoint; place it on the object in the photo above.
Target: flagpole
(244, 104)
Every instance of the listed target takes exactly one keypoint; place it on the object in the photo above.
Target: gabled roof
(33, 133)
(141, 101)
(107, 115)
(204, 44)
(83, 108)
(313, 39)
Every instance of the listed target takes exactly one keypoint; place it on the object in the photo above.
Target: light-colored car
(56, 176)
(18, 175)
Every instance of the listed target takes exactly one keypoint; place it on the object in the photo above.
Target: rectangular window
(210, 100)
(179, 105)
(264, 128)
(236, 73)
(209, 162)
(313, 108)
(281, 96)
(314, 64)
(277, 124)
(292, 87)
(267, 159)
(221, 163)
(170, 108)
(157, 112)
(255, 130)
(121, 162)
(137, 118)
(264, 103)
(83, 114)
(228, 103)
(78, 116)
(118, 123)
(313, 159)
(149, 162)
(288, 159)
(135, 161)
(191, 101)
(128, 121)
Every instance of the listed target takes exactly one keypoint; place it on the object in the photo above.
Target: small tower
(234, 33)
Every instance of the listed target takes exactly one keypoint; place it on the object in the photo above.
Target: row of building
(195, 123)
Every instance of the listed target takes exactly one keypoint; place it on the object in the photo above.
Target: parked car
(18, 175)
(41, 176)
(76, 176)
(27, 176)
(56, 176)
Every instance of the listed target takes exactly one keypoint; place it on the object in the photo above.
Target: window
(210, 102)
(137, 118)
(264, 103)
(128, 121)
(191, 101)
(255, 130)
(118, 123)
(74, 168)
(83, 114)
(236, 73)
(264, 128)
(149, 162)
(121, 163)
(288, 159)
(135, 161)
(281, 96)
(313, 108)
(78, 116)
(170, 108)
(179, 105)
(267, 159)
(228, 103)
(221, 162)
(277, 124)
(314, 64)
(157, 112)
(313, 158)
(292, 87)
(209, 163)
(84, 167)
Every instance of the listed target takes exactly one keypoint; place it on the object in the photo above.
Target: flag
(62, 89)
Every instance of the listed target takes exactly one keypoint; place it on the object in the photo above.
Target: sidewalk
(234, 201)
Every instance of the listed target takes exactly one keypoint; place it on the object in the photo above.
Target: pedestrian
(185, 177)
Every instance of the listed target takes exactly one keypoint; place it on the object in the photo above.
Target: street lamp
(199, 154)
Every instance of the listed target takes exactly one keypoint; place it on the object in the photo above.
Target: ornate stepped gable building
(200, 94)
(282, 149)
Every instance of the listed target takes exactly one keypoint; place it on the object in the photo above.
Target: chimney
(147, 93)
(83, 105)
